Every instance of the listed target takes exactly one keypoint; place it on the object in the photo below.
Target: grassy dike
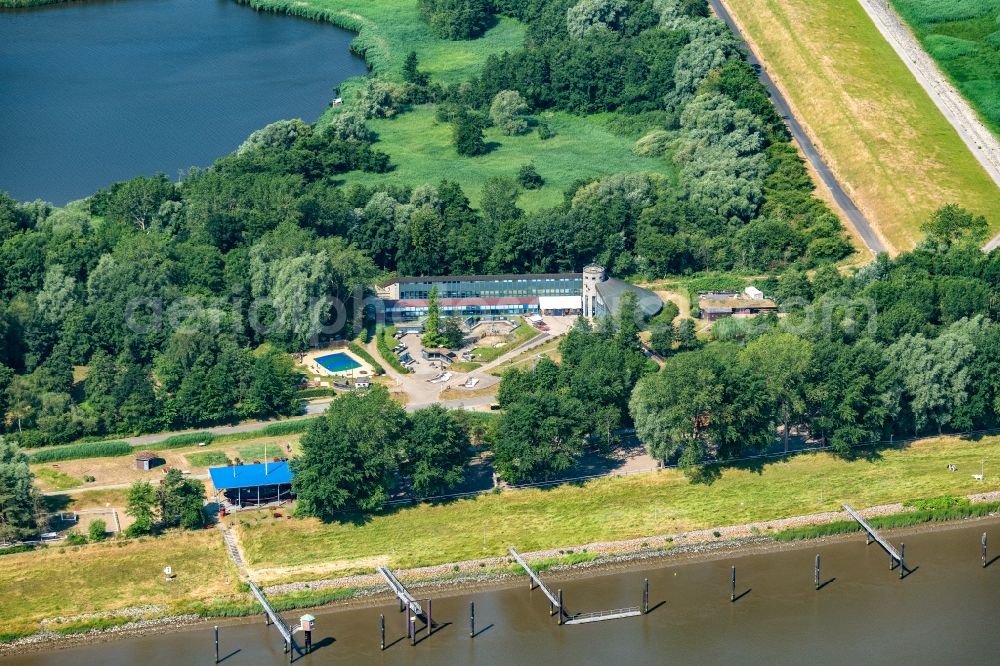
(88, 584)
(878, 129)
(611, 509)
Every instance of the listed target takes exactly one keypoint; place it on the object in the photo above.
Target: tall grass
(280, 603)
(271, 430)
(185, 440)
(955, 511)
(422, 151)
(84, 450)
(963, 36)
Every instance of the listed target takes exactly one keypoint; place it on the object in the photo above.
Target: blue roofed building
(252, 485)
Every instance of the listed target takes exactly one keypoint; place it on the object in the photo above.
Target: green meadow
(421, 150)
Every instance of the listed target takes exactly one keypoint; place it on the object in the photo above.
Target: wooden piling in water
(560, 607)
(413, 630)
(732, 594)
(472, 619)
(817, 571)
(216, 643)
(409, 624)
(902, 557)
(645, 596)
(984, 550)
(381, 631)
(430, 618)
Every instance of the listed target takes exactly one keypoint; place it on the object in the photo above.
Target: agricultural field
(896, 154)
(422, 151)
(614, 508)
(963, 36)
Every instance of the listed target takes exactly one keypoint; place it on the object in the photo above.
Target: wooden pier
(875, 536)
(404, 596)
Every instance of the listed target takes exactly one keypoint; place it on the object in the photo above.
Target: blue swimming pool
(338, 362)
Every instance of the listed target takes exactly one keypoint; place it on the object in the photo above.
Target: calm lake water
(97, 91)
(945, 612)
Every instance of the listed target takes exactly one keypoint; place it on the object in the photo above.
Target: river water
(945, 612)
(96, 91)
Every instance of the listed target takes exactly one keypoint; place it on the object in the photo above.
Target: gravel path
(983, 143)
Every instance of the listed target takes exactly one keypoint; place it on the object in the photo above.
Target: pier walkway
(275, 619)
(535, 579)
(404, 596)
(874, 535)
(600, 616)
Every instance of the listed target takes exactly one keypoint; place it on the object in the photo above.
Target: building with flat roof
(254, 484)
(591, 294)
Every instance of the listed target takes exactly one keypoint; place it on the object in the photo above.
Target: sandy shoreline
(494, 573)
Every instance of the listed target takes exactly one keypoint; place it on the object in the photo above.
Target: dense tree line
(550, 408)
(456, 19)
(353, 455)
(903, 347)
(177, 303)
(20, 500)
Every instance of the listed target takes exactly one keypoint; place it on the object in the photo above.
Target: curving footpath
(854, 215)
(983, 144)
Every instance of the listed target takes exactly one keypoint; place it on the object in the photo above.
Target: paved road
(979, 139)
(854, 216)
